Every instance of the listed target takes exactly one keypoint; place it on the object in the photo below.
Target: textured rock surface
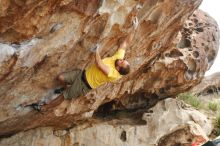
(48, 37)
(209, 85)
(169, 123)
(208, 93)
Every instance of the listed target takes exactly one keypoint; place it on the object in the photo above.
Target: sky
(212, 7)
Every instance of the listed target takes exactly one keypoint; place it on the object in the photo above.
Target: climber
(104, 70)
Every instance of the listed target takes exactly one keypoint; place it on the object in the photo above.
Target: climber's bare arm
(105, 69)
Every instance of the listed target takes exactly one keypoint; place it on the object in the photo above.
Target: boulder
(168, 123)
(169, 54)
(208, 86)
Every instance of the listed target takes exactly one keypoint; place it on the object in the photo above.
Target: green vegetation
(194, 101)
(217, 125)
(191, 99)
(218, 122)
(213, 106)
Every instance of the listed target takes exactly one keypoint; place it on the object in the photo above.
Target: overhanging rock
(49, 37)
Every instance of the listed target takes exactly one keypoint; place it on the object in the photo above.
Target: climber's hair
(124, 70)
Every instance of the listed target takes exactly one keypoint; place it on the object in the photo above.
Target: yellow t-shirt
(96, 77)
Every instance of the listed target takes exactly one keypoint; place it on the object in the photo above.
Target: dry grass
(191, 99)
(213, 106)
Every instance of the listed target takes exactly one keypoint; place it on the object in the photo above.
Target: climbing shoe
(36, 107)
(59, 90)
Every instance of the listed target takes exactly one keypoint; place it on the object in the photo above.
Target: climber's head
(122, 66)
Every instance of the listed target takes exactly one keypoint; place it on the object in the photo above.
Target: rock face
(208, 93)
(209, 85)
(169, 123)
(39, 40)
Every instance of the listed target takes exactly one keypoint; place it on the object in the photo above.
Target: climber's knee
(60, 77)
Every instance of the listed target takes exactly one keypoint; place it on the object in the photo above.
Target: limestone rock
(169, 123)
(45, 38)
(209, 85)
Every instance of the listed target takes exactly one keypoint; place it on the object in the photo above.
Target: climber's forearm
(127, 41)
(130, 37)
(100, 64)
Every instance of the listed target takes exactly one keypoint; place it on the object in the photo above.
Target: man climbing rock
(79, 82)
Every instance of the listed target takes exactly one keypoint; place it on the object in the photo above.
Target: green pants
(77, 86)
